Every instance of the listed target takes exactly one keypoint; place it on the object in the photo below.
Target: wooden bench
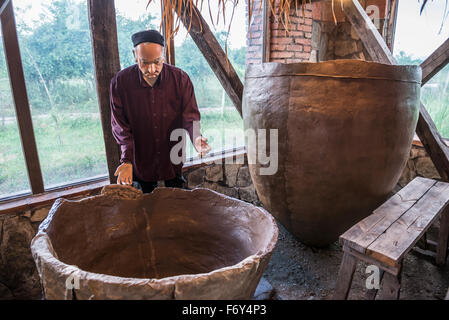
(387, 235)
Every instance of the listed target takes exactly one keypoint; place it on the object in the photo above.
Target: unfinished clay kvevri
(170, 244)
(345, 130)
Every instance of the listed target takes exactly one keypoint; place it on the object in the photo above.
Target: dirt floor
(298, 272)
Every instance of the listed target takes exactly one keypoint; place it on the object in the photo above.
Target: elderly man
(150, 100)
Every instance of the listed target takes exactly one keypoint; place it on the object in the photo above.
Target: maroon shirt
(143, 118)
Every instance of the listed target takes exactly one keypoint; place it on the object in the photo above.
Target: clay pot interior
(158, 235)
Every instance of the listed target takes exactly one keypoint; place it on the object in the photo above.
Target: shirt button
(154, 114)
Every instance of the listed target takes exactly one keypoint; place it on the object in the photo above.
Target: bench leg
(443, 238)
(345, 275)
(391, 285)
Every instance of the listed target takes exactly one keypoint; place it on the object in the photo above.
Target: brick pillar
(295, 44)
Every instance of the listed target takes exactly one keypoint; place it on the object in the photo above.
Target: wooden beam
(377, 48)
(103, 29)
(371, 38)
(435, 62)
(214, 54)
(266, 50)
(3, 4)
(21, 104)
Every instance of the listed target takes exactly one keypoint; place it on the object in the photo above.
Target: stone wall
(18, 274)
(418, 165)
(232, 180)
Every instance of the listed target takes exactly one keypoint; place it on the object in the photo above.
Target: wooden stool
(387, 235)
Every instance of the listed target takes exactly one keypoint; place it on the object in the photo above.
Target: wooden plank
(47, 198)
(214, 54)
(370, 260)
(443, 236)
(375, 45)
(3, 4)
(435, 62)
(391, 24)
(404, 233)
(361, 235)
(266, 49)
(345, 275)
(19, 91)
(103, 28)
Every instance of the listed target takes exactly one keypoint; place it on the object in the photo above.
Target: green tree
(403, 58)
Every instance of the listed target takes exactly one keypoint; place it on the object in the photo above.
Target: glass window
(134, 16)
(13, 172)
(220, 121)
(56, 51)
(418, 36)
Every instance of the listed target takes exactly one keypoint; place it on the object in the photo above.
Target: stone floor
(298, 272)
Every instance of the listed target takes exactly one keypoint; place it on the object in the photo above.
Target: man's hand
(124, 173)
(201, 146)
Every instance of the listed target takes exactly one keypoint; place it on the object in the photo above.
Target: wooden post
(345, 275)
(19, 91)
(103, 28)
(266, 50)
(214, 54)
(443, 237)
(377, 48)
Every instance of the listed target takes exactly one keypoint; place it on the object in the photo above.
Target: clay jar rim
(43, 252)
(349, 69)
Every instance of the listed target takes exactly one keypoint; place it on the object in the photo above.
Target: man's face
(150, 59)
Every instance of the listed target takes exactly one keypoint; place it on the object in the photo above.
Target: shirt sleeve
(191, 115)
(121, 129)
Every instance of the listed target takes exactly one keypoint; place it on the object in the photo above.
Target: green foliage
(404, 59)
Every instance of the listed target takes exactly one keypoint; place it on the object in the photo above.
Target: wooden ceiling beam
(435, 62)
(377, 48)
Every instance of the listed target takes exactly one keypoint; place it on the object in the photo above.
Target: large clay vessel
(170, 244)
(345, 130)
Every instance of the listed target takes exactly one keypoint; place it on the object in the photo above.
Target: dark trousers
(149, 186)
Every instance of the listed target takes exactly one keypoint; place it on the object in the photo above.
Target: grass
(75, 148)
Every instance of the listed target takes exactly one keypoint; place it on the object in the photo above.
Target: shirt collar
(144, 84)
